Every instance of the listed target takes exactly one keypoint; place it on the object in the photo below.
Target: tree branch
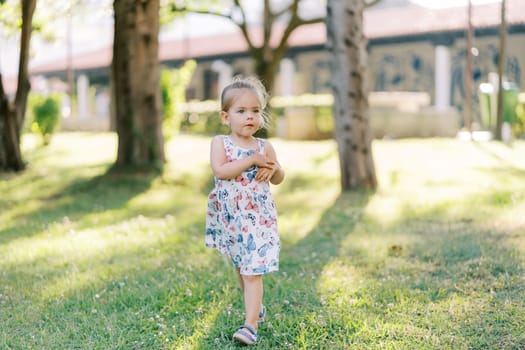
(268, 18)
(310, 21)
(175, 8)
(371, 3)
(290, 8)
(237, 3)
(243, 25)
(294, 10)
(295, 21)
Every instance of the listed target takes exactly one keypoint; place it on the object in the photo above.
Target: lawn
(434, 259)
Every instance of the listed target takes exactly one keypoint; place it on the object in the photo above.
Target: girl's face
(244, 115)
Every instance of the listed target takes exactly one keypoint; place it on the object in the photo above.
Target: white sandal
(247, 338)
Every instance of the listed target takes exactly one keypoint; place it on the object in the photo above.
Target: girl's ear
(224, 118)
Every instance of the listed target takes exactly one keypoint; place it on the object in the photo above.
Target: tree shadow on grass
(131, 300)
(457, 284)
(490, 151)
(74, 199)
(434, 279)
(429, 280)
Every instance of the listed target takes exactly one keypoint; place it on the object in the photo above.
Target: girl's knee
(251, 278)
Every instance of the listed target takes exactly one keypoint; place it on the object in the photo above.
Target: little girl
(241, 220)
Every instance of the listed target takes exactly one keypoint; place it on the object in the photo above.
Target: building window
(321, 77)
(211, 83)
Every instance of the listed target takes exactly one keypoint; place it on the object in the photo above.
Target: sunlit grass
(434, 259)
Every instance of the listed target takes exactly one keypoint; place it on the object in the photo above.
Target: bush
(46, 115)
(173, 84)
(519, 126)
(202, 118)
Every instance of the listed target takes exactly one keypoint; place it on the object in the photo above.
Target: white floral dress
(241, 220)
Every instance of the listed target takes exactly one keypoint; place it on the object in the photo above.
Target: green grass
(434, 259)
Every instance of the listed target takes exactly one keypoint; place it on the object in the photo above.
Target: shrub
(519, 126)
(174, 83)
(46, 115)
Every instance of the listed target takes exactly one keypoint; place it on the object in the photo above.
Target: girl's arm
(273, 173)
(223, 169)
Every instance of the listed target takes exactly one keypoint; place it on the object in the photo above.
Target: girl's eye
(240, 111)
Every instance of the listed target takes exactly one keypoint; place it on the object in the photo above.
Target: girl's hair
(246, 83)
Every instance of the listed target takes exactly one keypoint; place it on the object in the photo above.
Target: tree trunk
(347, 47)
(467, 115)
(501, 68)
(265, 71)
(12, 114)
(10, 154)
(136, 74)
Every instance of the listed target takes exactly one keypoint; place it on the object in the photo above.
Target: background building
(416, 59)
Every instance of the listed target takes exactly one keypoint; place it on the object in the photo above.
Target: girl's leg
(253, 294)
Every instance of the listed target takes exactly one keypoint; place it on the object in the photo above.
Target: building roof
(411, 20)
(380, 23)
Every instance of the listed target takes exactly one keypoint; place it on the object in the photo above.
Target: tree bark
(12, 114)
(266, 70)
(136, 74)
(10, 154)
(501, 68)
(347, 47)
(467, 115)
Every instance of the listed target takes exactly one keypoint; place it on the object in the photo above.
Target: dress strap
(260, 144)
(228, 145)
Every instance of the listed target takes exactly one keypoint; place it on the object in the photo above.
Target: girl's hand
(265, 173)
(260, 160)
